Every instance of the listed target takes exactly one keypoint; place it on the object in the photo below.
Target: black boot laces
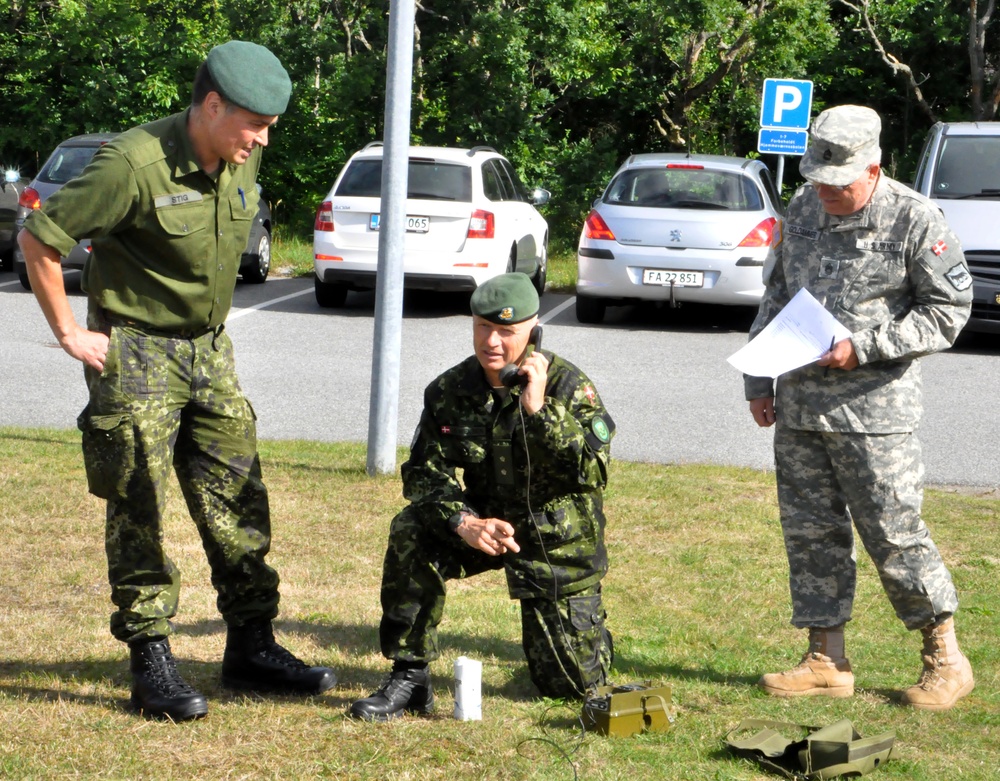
(161, 671)
(268, 648)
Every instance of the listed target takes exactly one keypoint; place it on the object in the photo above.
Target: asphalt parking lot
(663, 375)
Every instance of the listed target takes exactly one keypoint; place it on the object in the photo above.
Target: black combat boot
(158, 691)
(404, 690)
(253, 661)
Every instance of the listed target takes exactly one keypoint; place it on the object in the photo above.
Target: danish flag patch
(939, 248)
(589, 393)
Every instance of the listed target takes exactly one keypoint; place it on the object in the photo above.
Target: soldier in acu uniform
(528, 500)
(169, 206)
(883, 261)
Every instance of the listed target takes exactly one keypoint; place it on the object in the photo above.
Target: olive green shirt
(166, 237)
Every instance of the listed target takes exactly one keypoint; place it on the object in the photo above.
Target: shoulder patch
(600, 429)
(959, 277)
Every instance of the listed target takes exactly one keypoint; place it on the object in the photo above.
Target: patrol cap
(843, 143)
(506, 299)
(250, 76)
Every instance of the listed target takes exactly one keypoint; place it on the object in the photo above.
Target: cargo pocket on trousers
(586, 613)
(108, 452)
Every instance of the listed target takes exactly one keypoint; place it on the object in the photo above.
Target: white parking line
(9, 284)
(558, 310)
(234, 313)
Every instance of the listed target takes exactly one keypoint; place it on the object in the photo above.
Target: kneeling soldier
(534, 460)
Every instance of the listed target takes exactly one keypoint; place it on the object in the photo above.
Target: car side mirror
(539, 197)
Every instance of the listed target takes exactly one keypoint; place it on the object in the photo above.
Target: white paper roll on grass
(468, 689)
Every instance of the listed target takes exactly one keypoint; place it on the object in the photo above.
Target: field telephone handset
(510, 375)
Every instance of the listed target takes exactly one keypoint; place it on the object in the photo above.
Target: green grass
(291, 253)
(292, 256)
(697, 598)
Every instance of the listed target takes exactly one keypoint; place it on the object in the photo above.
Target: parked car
(69, 159)
(959, 169)
(10, 191)
(468, 218)
(677, 228)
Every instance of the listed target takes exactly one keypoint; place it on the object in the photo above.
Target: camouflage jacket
(473, 451)
(895, 276)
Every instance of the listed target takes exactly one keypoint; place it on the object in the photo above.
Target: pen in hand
(833, 340)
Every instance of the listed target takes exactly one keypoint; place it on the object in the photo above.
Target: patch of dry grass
(697, 598)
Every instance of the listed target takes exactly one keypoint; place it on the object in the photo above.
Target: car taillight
(481, 225)
(30, 199)
(686, 166)
(761, 235)
(596, 228)
(324, 217)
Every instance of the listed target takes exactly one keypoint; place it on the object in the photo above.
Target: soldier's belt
(825, 752)
(166, 333)
(627, 709)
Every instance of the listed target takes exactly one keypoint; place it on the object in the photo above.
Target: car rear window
(65, 163)
(426, 179)
(684, 188)
(968, 166)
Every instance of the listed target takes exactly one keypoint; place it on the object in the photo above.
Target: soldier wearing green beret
(533, 460)
(168, 207)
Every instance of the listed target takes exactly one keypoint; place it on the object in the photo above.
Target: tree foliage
(566, 88)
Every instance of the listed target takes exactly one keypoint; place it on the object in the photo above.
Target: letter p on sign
(788, 99)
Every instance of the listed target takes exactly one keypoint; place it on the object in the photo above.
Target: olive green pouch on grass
(823, 752)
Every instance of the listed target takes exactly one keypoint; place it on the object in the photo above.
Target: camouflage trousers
(565, 641)
(160, 403)
(826, 480)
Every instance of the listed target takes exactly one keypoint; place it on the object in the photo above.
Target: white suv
(468, 218)
(959, 170)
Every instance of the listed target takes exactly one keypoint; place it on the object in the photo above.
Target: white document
(798, 335)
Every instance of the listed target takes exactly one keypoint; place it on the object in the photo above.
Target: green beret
(506, 299)
(250, 76)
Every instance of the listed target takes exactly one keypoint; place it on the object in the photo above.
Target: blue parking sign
(786, 104)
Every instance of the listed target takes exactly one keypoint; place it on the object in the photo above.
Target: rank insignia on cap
(938, 248)
(600, 429)
(828, 154)
(507, 313)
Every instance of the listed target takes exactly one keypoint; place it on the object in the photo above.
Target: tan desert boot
(947, 675)
(823, 671)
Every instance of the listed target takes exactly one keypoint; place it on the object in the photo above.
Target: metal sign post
(384, 409)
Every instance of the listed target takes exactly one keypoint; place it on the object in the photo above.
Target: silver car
(959, 170)
(677, 228)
